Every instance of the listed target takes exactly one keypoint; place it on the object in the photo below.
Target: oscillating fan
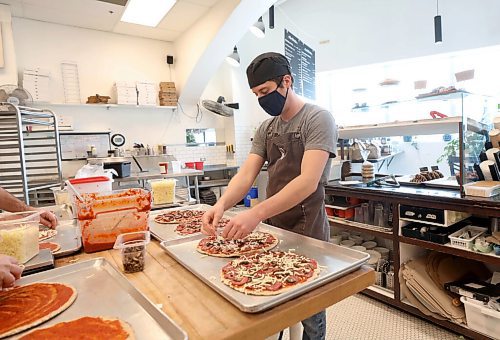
(15, 95)
(220, 107)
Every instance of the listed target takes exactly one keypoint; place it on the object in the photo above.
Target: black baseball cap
(267, 66)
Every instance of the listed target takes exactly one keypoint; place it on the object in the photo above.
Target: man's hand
(211, 219)
(241, 225)
(48, 219)
(10, 271)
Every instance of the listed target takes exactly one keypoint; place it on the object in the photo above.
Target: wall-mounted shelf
(109, 106)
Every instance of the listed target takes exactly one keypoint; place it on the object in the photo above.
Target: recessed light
(146, 12)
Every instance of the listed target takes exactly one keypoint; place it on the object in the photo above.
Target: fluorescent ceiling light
(146, 12)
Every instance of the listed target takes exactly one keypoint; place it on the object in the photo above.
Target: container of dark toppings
(132, 247)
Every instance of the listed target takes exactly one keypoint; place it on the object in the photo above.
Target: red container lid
(89, 180)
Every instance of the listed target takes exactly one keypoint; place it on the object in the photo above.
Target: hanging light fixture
(259, 29)
(271, 17)
(438, 33)
(234, 58)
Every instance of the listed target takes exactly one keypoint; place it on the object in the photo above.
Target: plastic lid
(89, 180)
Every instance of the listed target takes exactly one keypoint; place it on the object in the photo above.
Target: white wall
(8, 73)
(371, 31)
(102, 59)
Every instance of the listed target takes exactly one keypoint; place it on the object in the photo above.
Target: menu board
(302, 59)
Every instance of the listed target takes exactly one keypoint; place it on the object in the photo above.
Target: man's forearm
(10, 203)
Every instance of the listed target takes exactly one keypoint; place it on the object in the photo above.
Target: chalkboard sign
(302, 59)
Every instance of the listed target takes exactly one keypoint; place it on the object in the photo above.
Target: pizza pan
(103, 291)
(166, 232)
(68, 237)
(334, 260)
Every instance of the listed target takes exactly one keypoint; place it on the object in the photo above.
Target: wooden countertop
(204, 314)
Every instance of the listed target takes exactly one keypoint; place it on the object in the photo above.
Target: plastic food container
(132, 247)
(61, 196)
(458, 239)
(102, 217)
(163, 190)
(19, 235)
(88, 185)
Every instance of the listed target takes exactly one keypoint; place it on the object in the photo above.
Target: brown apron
(284, 156)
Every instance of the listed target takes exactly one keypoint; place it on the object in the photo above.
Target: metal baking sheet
(44, 260)
(68, 237)
(444, 183)
(103, 291)
(337, 261)
(165, 232)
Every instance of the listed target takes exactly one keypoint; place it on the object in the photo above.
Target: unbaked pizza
(178, 216)
(269, 273)
(218, 246)
(27, 306)
(86, 328)
(54, 247)
(194, 225)
(45, 233)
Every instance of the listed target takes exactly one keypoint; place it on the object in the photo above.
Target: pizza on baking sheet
(27, 306)
(54, 247)
(85, 328)
(218, 246)
(45, 233)
(178, 216)
(269, 273)
(193, 226)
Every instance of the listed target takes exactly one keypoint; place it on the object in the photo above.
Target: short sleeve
(259, 141)
(321, 132)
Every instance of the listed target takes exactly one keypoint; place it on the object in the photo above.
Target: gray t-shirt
(318, 132)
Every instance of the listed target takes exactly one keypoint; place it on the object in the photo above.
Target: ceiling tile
(16, 7)
(146, 32)
(81, 13)
(182, 16)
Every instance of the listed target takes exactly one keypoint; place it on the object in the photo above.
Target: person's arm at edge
(293, 193)
(9, 202)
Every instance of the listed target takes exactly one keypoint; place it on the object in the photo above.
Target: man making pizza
(297, 142)
(10, 203)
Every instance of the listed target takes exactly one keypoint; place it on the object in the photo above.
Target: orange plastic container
(102, 217)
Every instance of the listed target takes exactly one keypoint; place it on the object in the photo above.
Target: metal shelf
(28, 175)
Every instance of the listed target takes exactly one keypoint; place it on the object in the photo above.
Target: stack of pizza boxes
(167, 95)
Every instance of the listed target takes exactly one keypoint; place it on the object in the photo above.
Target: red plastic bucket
(190, 165)
(198, 165)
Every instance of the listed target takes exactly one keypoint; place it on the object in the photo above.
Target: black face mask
(273, 102)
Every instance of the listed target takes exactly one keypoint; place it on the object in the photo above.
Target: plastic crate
(481, 318)
(458, 242)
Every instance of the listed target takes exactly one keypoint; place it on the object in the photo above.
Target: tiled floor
(361, 318)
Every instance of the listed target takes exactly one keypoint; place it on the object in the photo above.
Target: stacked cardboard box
(167, 95)
(126, 92)
(146, 93)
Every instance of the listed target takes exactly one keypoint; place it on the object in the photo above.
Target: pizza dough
(27, 306)
(178, 216)
(256, 241)
(54, 247)
(269, 273)
(86, 328)
(45, 233)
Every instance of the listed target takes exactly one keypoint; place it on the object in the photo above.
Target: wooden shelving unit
(401, 252)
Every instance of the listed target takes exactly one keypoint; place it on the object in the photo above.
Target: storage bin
(19, 235)
(102, 217)
(163, 190)
(481, 318)
(132, 247)
(88, 185)
(463, 243)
